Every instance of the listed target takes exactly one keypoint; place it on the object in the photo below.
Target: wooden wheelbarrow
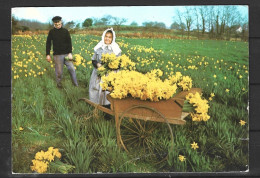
(136, 120)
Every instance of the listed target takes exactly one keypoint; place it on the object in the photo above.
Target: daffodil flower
(242, 122)
(182, 158)
(194, 145)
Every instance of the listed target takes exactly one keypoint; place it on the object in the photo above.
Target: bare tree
(223, 21)
(107, 19)
(232, 21)
(203, 12)
(235, 18)
(182, 25)
(210, 19)
(197, 16)
(188, 19)
(216, 20)
(244, 25)
(118, 22)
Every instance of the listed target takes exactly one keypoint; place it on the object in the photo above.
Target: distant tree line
(154, 25)
(27, 25)
(214, 22)
(107, 20)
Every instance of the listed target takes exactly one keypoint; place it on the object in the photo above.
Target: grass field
(44, 116)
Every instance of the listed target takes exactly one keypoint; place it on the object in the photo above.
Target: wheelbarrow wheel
(145, 133)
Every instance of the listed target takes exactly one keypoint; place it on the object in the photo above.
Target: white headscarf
(113, 46)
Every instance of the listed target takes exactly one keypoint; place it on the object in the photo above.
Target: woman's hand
(98, 65)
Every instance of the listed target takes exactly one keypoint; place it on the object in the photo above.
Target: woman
(106, 45)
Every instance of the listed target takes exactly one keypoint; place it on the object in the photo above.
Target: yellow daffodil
(182, 158)
(194, 145)
(77, 59)
(138, 85)
(42, 159)
(242, 122)
(201, 107)
(39, 166)
(102, 68)
(111, 62)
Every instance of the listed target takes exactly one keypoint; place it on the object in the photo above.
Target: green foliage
(80, 154)
(60, 167)
(154, 24)
(87, 23)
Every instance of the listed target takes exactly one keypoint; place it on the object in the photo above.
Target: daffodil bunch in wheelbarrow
(110, 62)
(198, 107)
(147, 86)
(194, 103)
(151, 87)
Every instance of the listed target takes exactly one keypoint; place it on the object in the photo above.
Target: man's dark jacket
(61, 41)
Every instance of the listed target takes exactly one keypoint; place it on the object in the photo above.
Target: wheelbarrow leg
(117, 130)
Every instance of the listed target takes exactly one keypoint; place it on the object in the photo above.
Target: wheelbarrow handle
(98, 106)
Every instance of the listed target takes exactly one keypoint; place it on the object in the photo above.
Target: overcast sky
(138, 14)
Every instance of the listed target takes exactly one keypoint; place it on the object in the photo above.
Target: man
(62, 47)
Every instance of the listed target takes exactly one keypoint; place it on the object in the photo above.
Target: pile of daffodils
(111, 62)
(77, 59)
(42, 159)
(147, 86)
(183, 82)
(200, 105)
(50, 161)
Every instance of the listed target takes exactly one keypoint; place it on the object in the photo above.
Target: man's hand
(48, 58)
(98, 65)
(70, 56)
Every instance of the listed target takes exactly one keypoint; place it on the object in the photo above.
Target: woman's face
(108, 38)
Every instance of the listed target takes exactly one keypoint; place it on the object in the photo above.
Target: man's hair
(56, 19)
